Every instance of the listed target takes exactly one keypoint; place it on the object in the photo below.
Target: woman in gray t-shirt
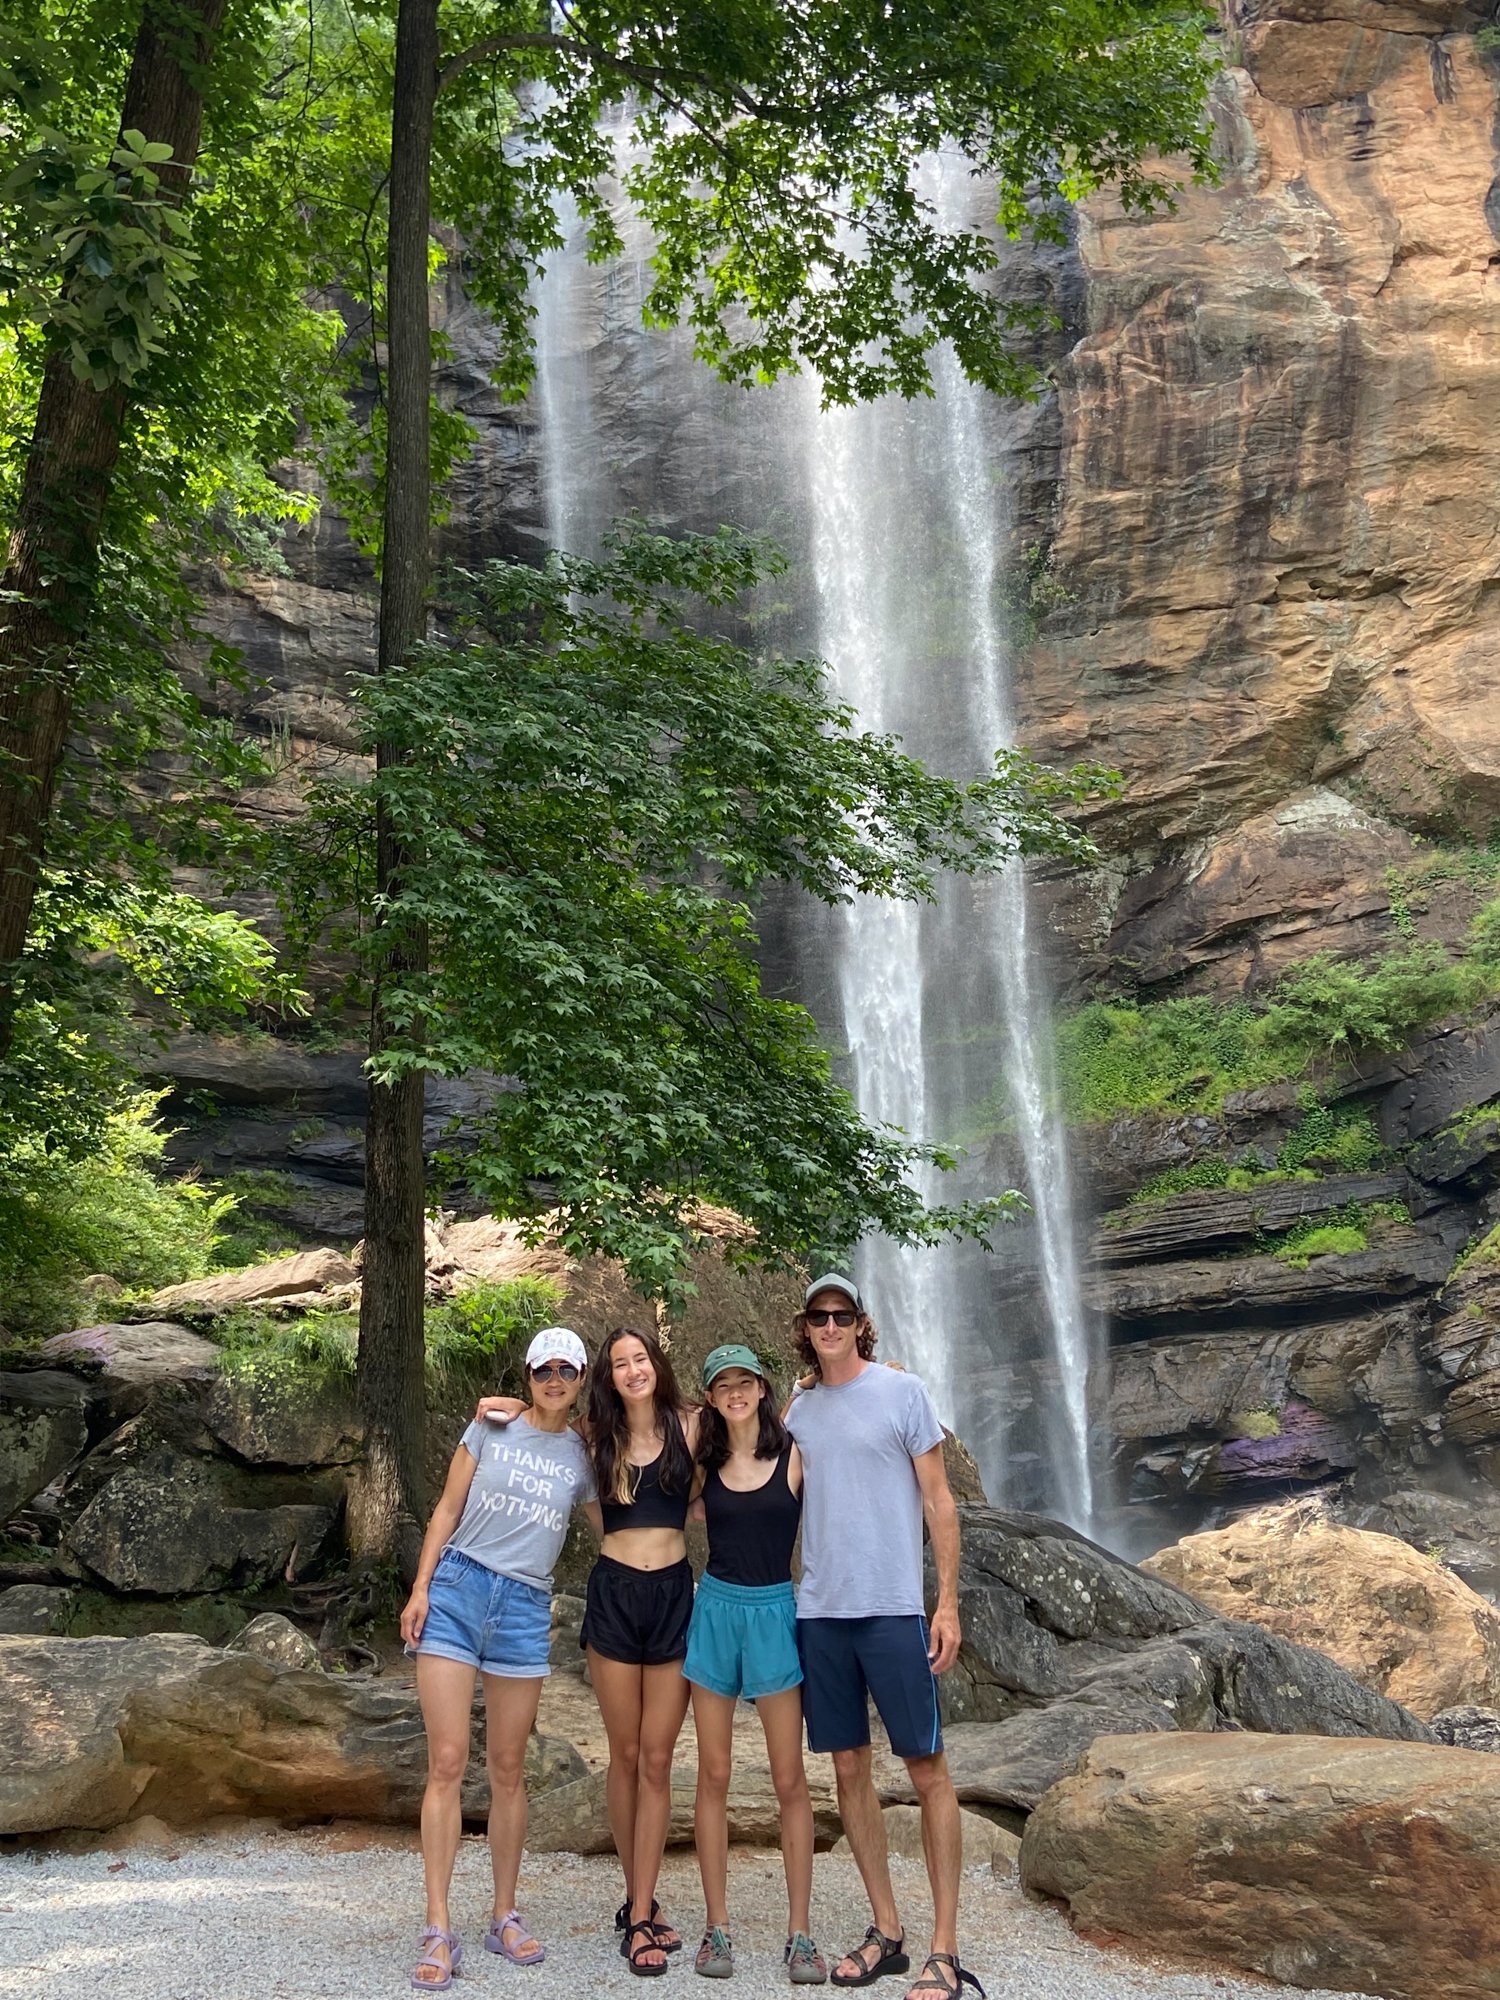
(481, 1604)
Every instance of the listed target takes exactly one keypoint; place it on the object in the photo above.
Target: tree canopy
(592, 782)
(222, 221)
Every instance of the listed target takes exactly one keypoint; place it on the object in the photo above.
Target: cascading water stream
(895, 525)
(1029, 1070)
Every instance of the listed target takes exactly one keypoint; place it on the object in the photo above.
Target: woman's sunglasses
(563, 1370)
(839, 1318)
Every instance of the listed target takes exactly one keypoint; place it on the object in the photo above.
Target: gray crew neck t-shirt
(862, 1506)
(525, 1484)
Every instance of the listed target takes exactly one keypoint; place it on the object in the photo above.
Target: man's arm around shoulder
(941, 1516)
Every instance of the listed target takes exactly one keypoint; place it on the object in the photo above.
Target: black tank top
(650, 1507)
(750, 1535)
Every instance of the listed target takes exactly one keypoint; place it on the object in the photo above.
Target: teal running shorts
(743, 1641)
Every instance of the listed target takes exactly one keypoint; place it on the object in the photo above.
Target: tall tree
(777, 152)
(122, 285)
(386, 1508)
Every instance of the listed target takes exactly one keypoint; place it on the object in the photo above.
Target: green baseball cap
(734, 1354)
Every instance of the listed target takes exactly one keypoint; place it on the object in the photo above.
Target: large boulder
(35, 1607)
(1399, 1622)
(133, 1363)
(102, 1730)
(164, 1522)
(1364, 1867)
(43, 1428)
(277, 1418)
(284, 1278)
(1064, 1643)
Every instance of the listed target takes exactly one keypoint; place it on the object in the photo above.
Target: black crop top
(750, 1535)
(650, 1507)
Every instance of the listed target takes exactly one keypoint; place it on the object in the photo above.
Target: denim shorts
(486, 1620)
(743, 1639)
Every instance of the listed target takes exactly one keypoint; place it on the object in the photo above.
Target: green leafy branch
(97, 256)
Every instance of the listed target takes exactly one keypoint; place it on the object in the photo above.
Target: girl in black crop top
(641, 1437)
(743, 1642)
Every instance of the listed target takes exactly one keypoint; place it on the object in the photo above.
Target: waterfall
(895, 522)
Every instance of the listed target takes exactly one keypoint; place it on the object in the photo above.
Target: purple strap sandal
(525, 1950)
(435, 1934)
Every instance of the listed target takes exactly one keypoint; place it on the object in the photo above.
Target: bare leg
(618, 1690)
(509, 1711)
(713, 1719)
(781, 1719)
(859, 1809)
(942, 1845)
(663, 1707)
(445, 1689)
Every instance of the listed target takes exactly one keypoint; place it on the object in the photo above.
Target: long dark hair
(609, 1427)
(713, 1432)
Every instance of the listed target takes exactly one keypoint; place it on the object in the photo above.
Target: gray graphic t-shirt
(525, 1484)
(861, 1505)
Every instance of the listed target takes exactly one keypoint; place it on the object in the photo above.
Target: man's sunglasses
(814, 1317)
(563, 1370)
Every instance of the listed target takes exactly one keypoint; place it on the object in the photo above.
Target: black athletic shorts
(638, 1615)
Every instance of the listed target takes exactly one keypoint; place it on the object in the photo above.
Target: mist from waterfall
(894, 520)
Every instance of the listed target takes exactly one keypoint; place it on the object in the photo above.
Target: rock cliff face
(1277, 502)
(1261, 504)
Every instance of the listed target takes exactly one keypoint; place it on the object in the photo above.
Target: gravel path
(254, 1915)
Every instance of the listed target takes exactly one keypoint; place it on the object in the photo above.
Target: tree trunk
(52, 560)
(389, 1504)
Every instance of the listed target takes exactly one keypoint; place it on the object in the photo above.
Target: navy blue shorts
(848, 1661)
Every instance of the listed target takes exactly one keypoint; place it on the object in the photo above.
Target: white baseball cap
(557, 1343)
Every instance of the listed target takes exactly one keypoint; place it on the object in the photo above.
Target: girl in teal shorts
(743, 1642)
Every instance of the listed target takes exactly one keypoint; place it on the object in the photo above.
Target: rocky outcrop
(169, 1523)
(129, 1363)
(1238, 1414)
(1064, 1643)
(1365, 1867)
(1272, 510)
(283, 1281)
(1468, 1727)
(1396, 1620)
(103, 1730)
(43, 1428)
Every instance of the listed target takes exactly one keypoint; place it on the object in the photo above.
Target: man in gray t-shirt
(872, 1472)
